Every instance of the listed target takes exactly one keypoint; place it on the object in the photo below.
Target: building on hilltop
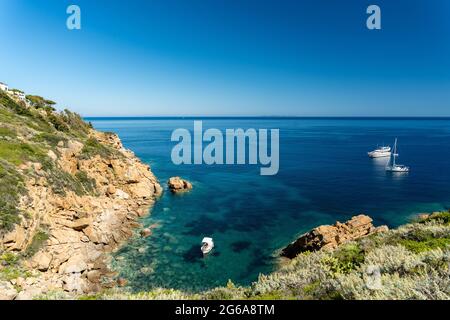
(4, 86)
(18, 94)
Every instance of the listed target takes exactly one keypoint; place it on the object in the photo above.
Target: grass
(10, 268)
(7, 132)
(19, 152)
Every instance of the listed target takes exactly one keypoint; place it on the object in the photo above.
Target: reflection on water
(380, 163)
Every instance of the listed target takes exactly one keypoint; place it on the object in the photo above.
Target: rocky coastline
(328, 237)
(81, 229)
(73, 195)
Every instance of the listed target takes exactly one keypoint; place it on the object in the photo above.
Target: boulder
(16, 239)
(176, 184)
(122, 194)
(111, 189)
(80, 224)
(29, 293)
(74, 283)
(41, 261)
(75, 264)
(330, 237)
(7, 291)
(121, 282)
(94, 276)
(423, 216)
(52, 155)
(147, 232)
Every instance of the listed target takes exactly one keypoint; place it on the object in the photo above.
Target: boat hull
(374, 154)
(206, 250)
(397, 169)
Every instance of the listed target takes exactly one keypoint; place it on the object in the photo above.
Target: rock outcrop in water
(176, 185)
(68, 195)
(330, 237)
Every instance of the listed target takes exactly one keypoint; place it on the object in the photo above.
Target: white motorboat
(384, 151)
(394, 167)
(207, 245)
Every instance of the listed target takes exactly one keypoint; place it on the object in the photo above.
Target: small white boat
(207, 245)
(384, 151)
(396, 167)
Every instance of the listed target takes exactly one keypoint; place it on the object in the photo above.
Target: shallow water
(325, 175)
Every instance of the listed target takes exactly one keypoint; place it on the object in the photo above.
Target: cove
(325, 175)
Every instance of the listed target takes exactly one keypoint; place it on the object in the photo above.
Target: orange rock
(330, 237)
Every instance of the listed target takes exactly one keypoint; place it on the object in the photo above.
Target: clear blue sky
(222, 57)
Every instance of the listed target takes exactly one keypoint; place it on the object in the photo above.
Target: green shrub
(9, 259)
(426, 245)
(38, 241)
(443, 217)
(344, 259)
(51, 138)
(92, 148)
(75, 122)
(89, 184)
(11, 188)
(57, 122)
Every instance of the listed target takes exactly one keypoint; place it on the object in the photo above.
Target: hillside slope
(68, 194)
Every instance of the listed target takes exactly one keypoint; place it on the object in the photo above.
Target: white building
(4, 86)
(18, 94)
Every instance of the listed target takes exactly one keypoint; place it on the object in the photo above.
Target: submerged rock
(330, 237)
(121, 282)
(176, 184)
(147, 232)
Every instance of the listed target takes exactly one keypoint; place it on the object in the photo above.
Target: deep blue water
(325, 175)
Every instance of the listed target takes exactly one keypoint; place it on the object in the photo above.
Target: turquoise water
(325, 175)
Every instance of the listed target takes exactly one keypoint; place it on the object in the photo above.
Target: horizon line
(267, 117)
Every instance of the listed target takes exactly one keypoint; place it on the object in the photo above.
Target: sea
(324, 176)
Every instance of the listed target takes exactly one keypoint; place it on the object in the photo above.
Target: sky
(222, 57)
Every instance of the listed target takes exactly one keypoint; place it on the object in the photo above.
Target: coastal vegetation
(410, 264)
(68, 195)
(29, 133)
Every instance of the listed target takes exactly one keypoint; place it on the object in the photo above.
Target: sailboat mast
(395, 151)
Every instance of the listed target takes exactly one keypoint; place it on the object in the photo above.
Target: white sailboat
(396, 167)
(207, 245)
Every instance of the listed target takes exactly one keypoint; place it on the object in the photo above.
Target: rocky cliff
(330, 237)
(68, 195)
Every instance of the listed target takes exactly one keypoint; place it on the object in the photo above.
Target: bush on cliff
(11, 187)
(92, 148)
